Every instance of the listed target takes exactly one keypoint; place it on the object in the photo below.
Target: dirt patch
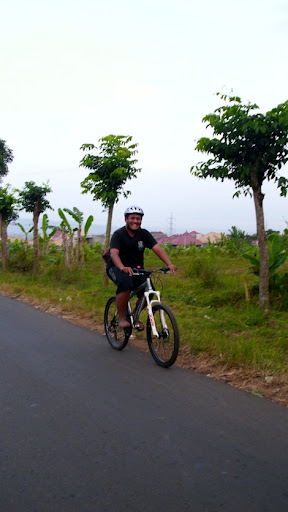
(271, 386)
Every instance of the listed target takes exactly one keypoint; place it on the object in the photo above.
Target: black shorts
(124, 281)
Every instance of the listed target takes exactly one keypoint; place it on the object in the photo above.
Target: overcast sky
(73, 71)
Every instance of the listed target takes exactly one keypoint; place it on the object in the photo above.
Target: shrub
(21, 258)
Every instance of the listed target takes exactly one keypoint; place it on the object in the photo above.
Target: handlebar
(142, 271)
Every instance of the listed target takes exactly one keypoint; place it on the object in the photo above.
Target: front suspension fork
(150, 312)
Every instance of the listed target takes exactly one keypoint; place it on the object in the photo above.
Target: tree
(6, 157)
(32, 199)
(8, 213)
(110, 169)
(248, 148)
(235, 232)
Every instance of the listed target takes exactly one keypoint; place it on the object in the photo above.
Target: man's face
(133, 221)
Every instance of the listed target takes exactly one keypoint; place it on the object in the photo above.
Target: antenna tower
(171, 222)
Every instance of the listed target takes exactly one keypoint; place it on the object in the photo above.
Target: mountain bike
(161, 327)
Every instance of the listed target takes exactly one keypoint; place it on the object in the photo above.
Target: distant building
(211, 237)
(185, 239)
(57, 238)
(97, 238)
(158, 234)
(196, 234)
(188, 238)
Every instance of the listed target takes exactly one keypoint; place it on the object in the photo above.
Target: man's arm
(114, 254)
(164, 257)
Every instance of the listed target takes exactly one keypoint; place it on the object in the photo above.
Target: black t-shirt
(131, 248)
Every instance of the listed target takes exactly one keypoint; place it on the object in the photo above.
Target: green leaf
(88, 224)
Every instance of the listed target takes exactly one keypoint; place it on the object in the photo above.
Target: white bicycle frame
(149, 306)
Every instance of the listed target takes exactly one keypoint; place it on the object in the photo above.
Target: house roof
(184, 239)
(56, 238)
(57, 235)
(158, 234)
(211, 237)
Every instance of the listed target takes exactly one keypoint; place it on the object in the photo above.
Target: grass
(206, 294)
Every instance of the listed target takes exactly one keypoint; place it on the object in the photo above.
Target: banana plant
(26, 233)
(67, 232)
(46, 235)
(78, 217)
(278, 249)
(86, 229)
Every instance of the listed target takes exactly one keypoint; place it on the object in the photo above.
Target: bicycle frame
(162, 331)
(148, 291)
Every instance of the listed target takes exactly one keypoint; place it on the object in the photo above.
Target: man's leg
(139, 325)
(122, 301)
(124, 285)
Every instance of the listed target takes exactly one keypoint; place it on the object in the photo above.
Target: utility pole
(171, 222)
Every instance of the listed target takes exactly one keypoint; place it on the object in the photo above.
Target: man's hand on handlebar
(127, 270)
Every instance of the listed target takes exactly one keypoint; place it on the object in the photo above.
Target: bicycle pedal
(139, 327)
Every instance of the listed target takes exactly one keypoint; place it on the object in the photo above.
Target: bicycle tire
(164, 349)
(117, 336)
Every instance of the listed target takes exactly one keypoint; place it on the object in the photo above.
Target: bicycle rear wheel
(117, 336)
(164, 348)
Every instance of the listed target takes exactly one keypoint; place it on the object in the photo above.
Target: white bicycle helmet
(134, 209)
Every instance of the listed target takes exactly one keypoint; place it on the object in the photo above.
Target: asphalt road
(86, 428)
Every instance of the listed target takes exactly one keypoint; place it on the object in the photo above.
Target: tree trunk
(83, 252)
(36, 237)
(106, 243)
(1, 229)
(4, 243)
(41, 246)
(78, 243)
(66, 250)
(71, 247)
(263, 245)
(1, 253)
(46, 242)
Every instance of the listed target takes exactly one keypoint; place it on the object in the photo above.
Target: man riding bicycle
(126, 252)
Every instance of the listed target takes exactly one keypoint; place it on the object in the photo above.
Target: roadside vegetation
(230, 300)
(214, 295)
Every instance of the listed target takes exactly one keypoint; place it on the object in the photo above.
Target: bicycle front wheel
(117, 336)
(165, 346)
